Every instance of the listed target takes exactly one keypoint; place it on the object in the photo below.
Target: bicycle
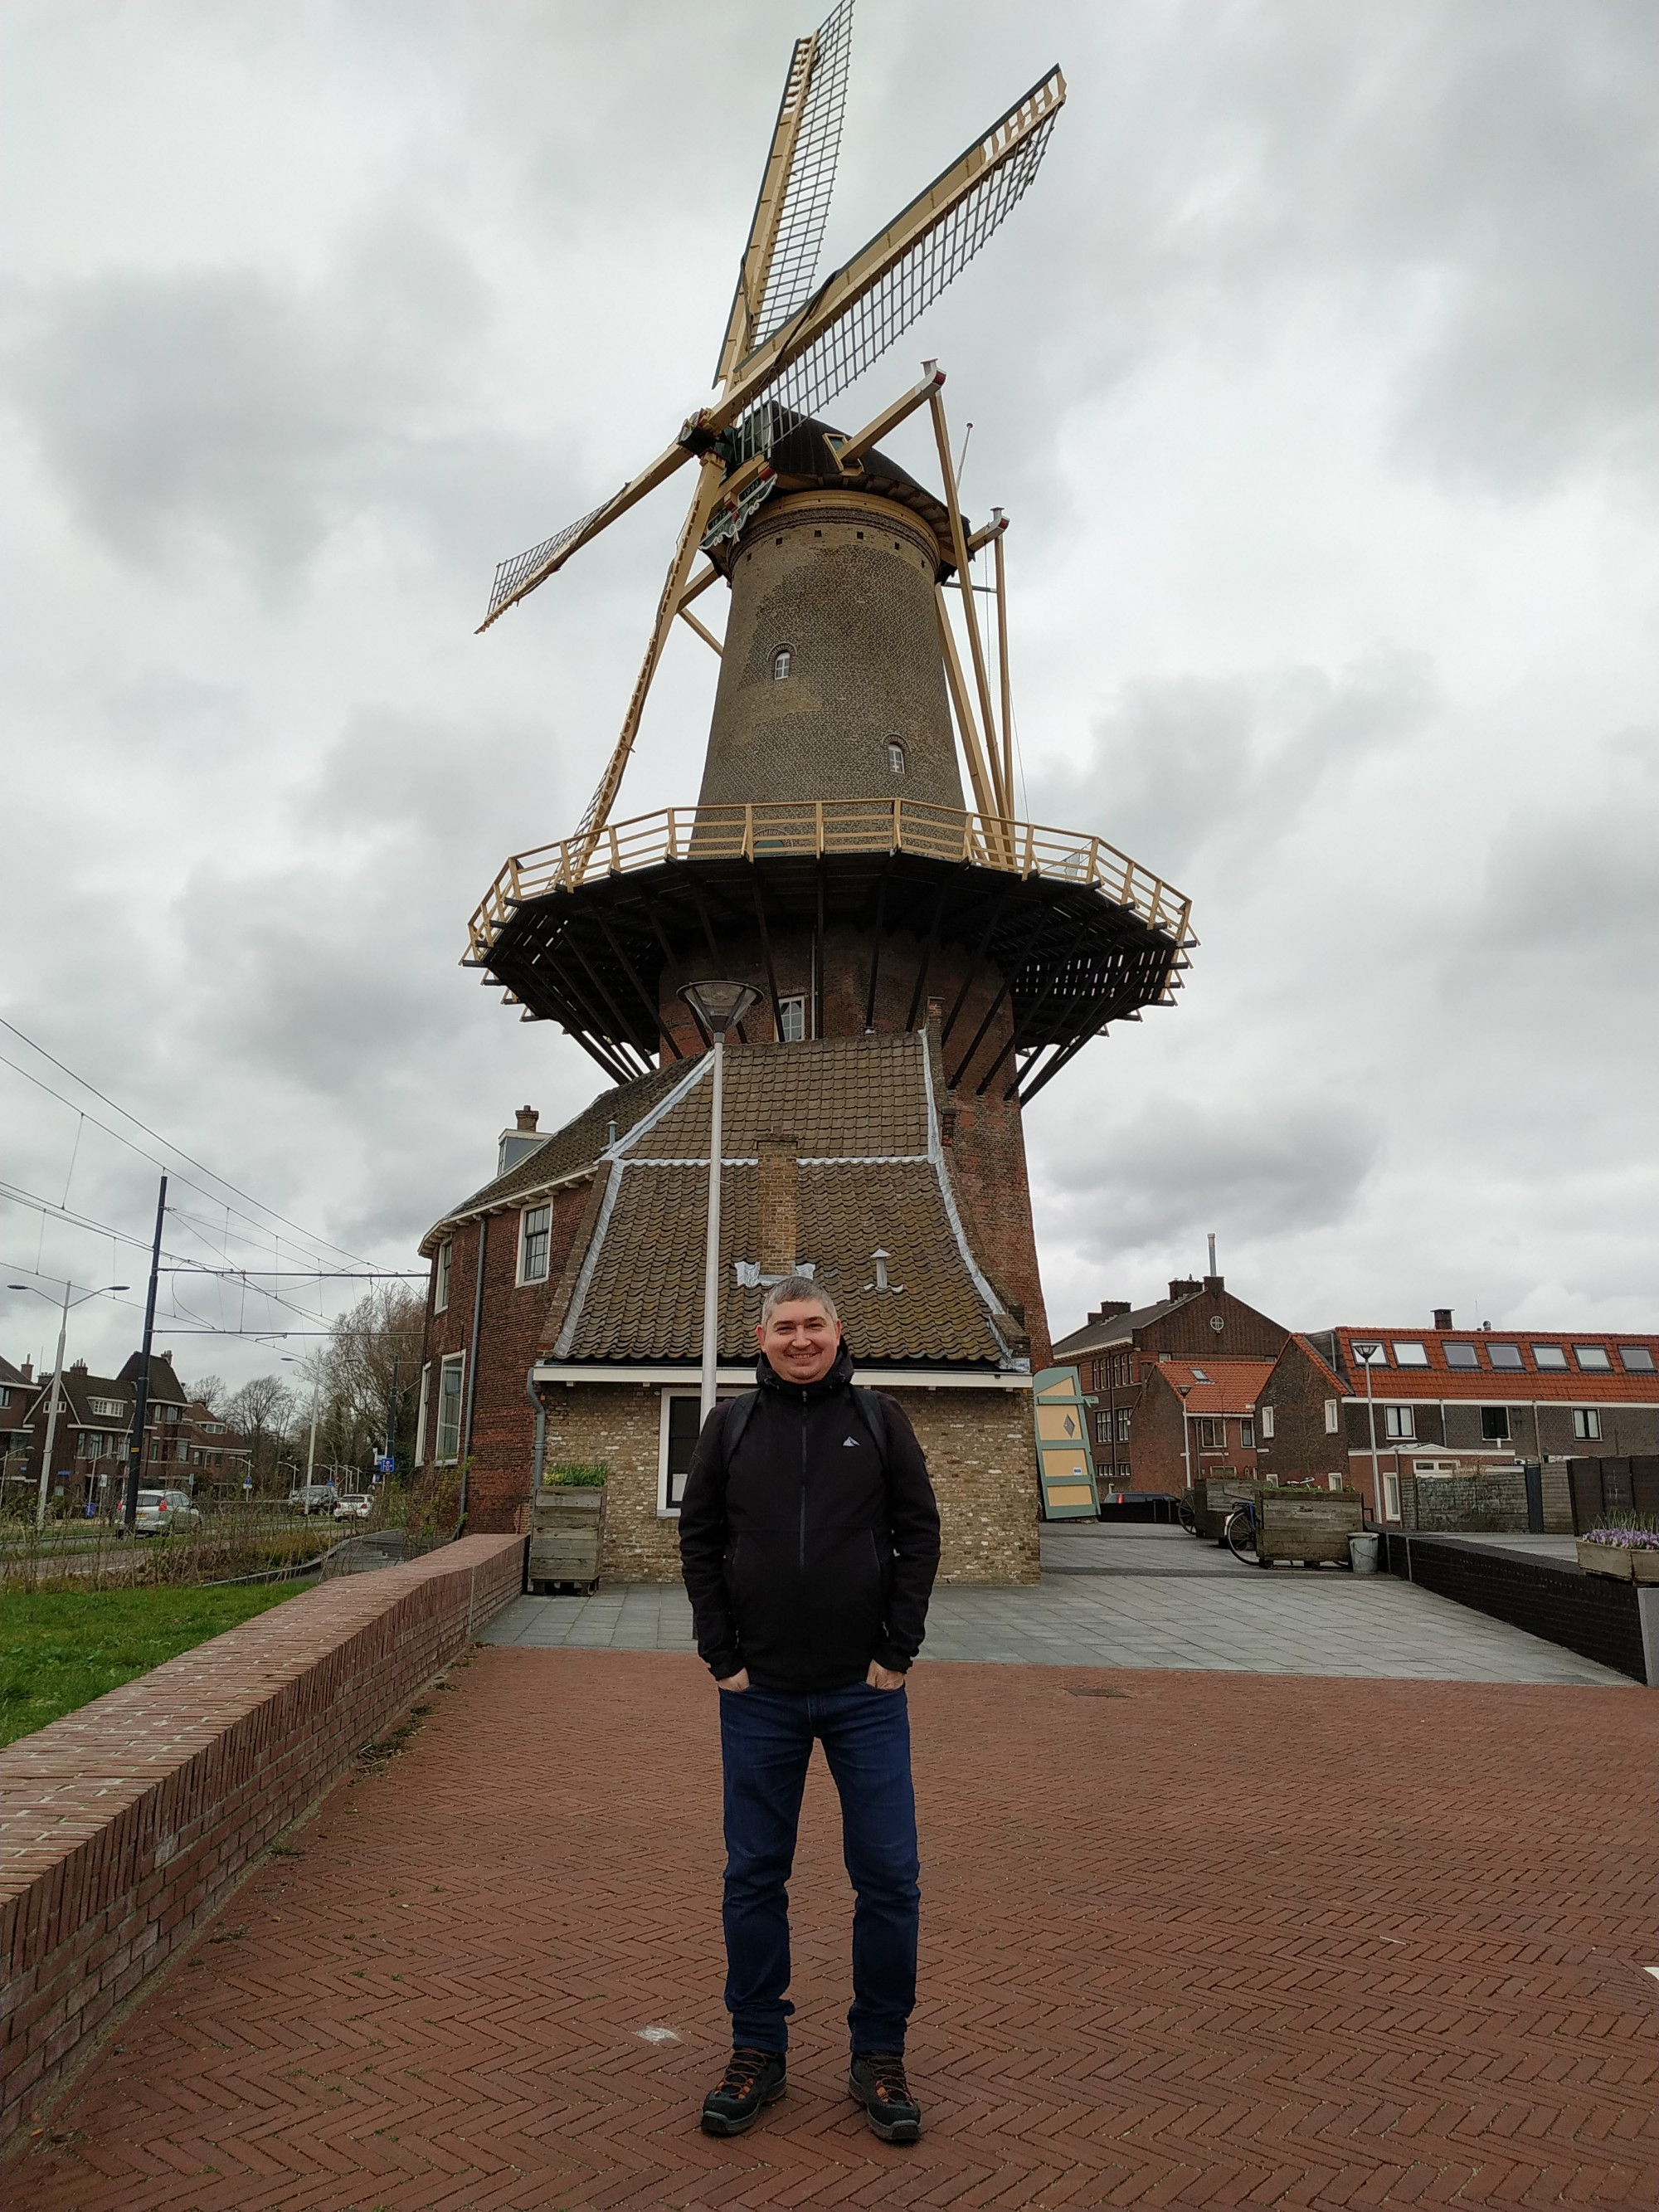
(1186, 1516)
(1238, 1534)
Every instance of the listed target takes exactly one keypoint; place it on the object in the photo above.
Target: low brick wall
(125, 1825)
(1599, 1619)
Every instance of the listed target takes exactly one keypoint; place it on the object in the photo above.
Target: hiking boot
(754, 2078)
(878, 2082)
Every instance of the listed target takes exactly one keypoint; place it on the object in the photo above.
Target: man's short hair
(796, 1290)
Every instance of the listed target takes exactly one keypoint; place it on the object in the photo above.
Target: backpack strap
(738, 1413)
(874, 1417)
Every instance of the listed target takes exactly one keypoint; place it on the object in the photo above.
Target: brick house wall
(1303, 1444)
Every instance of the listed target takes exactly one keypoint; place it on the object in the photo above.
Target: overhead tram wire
(311, 1236)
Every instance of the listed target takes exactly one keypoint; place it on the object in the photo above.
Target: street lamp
(58, 1381)
(1368, 1355)
(719, 1007)
(291, 1360)
(1184, 1389)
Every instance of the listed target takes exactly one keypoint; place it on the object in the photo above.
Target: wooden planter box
(1214, 1497)
(567, 1534)
(1618, 1564)
(1308, 1525)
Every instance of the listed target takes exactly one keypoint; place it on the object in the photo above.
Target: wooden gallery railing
(815, 826)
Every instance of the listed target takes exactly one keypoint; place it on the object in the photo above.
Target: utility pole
(51, 1416)
(392, 1410)
(141, 1404)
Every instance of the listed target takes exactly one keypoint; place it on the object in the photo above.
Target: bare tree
(210, 1392)
(378, 1340)
(262, 1411)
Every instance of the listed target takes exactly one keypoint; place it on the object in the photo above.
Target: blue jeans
(766, 1744)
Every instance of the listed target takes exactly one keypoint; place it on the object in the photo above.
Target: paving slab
(1279, 1620)
(1188, 1940)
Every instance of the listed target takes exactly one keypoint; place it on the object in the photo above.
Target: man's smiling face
(800, 1340)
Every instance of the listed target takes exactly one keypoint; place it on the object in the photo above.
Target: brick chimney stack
(1443, 1317)
(526, 1119)
(779, 1204)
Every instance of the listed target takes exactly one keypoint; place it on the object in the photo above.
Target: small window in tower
(792, 1012)
(782, 661)
(896, 756)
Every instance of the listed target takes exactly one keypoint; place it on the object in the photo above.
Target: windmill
(790, 347)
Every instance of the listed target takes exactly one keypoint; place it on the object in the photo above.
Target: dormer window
(783, 662)
(895, 761)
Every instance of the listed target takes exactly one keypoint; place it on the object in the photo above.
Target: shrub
(578, 1474)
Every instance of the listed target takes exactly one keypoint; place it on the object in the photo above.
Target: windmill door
(1065, 1463)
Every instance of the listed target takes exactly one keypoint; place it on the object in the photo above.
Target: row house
(185, 1442)
(1419, 1401)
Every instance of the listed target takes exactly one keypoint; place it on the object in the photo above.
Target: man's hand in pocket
(883, 1678)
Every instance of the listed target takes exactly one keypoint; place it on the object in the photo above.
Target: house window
(1332, 1417)
(1102, 1427)
(792, 1013)
(681, 1421)
(1371, 1354)
(420, 1417)
(1399, 1421)
(1410, 1355)
(1638, 1359)
(441, 1277)
(895, 757)
(1247, 1436)
(534, 1234)
(449, 1408)
(1495, 1423)
(1391, 1497)
(106, 1409)
(1548, 1356)
(1212, 1434)
(1462, 1355)
(1123, 1412)
(1266, 1418)
(783, 662)
(1586, 1423)
(1593, 1358)
(1504, 1355)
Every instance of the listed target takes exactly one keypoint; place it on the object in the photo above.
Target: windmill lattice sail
(812, 178)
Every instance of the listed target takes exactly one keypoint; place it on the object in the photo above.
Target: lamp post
(1186, 1434)
(719, 1007)
(1366, 1354)
(57, 1383)
(290, 1359)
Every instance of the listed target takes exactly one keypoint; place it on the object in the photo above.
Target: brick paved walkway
(1189, 1940)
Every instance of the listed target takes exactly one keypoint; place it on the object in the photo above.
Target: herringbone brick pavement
(1188, 1940)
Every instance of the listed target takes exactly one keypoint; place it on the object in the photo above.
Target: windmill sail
(812, 178)
(885, 304)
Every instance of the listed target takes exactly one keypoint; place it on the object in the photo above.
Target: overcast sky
(1316, 371)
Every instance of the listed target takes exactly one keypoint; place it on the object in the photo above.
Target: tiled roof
(10, 1374)
(1320, 1361)
(1116, 1328)
(1485, 1383)
(1216, 1386)
(871, 1177)
(577, 1145)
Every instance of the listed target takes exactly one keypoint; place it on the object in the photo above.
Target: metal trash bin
(1362, 1554)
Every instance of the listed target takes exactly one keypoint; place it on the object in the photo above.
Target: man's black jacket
(805, 1560)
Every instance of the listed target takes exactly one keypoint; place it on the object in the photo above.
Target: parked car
(159, 1509)
(313, 1497)
(355, 1505)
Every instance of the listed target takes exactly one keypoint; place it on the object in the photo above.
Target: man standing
(809, 1541)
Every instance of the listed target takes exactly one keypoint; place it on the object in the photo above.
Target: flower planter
(1644, 1564)
(567, 1534)
(1613, 1560)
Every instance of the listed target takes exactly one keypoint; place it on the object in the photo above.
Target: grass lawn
(59, 1649)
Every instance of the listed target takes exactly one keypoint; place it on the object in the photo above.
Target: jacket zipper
(803, 1482)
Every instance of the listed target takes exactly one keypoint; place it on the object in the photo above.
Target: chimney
(77, 1367)
(1186, 1288)
(26, 1370)
(1443, 1317)
(518, 1142)
(779, 1204)
(1107, 1310)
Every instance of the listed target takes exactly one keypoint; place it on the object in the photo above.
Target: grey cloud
(220, 410)
(1186, 764)
(1171, 1173)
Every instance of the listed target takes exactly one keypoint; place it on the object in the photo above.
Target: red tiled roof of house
(1216, 1385)
(1579, 1381)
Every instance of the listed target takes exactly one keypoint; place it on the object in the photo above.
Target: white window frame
(1399, 1424)
(1102, 1425)
(441, 1265)
(665, 1511)
(526, 1214)
(420, 1419)
(1409, 1353)
(1593, 1358)
(1332, 1417)
(1123, 1423)
(456, 1360)
(783, 663)
(1265, 1417)
(898, 758)
(1247, 1435)
(798, 1000)
(1390, 1496)
(1587, 1425)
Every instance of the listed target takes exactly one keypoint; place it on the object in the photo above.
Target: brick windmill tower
(916, 962)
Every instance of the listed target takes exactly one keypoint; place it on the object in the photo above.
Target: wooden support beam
(959, 547)
(848, 451)
(707, 636)
(986, 797)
